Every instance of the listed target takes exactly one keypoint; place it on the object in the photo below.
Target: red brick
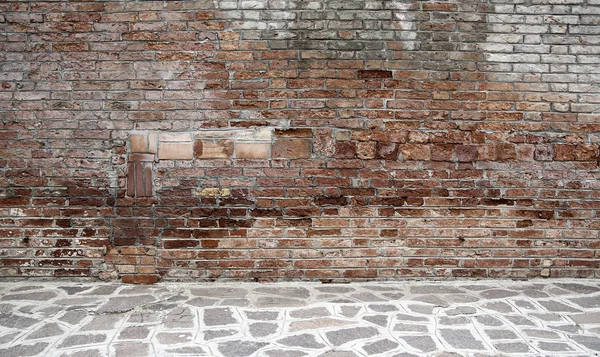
(140, 279)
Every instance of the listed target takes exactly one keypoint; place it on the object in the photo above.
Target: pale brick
(252, 150)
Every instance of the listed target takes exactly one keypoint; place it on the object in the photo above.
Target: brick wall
(286, 139)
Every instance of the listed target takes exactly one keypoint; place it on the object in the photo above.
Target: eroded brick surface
(354, 139)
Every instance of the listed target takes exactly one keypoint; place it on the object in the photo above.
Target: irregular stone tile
(512, 347)
(587, 302)
(343, 301)
(272, 301)
(538, 333)
(309, 313)
(144, 317)
(48, 330)
(489, 320)
(366, 297)
(566, 328)
(435, 289)
(340, 337)
(421, 309)
(103, 290)
(235, 302)
(73, 317)
(142, 290)
(463, 299)
(180, 317)
(262, 315)
(102, 323)
(431, 299)
(380, 320)
(187, 350)
(411, 328)
(501, 335)
(326, 297)
(285, 353)
(519, 320)
(349, 311)
(263, 329)
(578, 288)
(78, 302)
(134, 333)
(173, 338)
(460, 320)
(305, 341)
(324, 322)
(240, 348)
(591, 342)
(461, 310)
(8, 337)
(406, 317)
(475, 287)
(16, 321)
(497, 294)
(380, 288)
(406, 354)
(132, 349)
(535, 294)
(125, 304)
(595, 330)
(72, 290)
(218, 317)
(293, 292)
(524, 304)
(338, 354)
(84, 353)
(499, 306)
(393, 296)
(202, 302)
(380, 346)
(80, 340)
(26, 288)
(220, 292)
(214, 334)
(547, 317)
(335, 289)
(7, 308)
(422, 343)
(554, 346)
(24, 350)
(462, 339)
(555, 306)
(38, 296)
(382, 308)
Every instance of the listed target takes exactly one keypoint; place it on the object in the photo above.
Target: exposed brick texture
(306, 140)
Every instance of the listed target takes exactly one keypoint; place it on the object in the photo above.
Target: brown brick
(506, 152)
(291, 149)
(140, 279)
(466, 153)
(374, 74)
(563, 152)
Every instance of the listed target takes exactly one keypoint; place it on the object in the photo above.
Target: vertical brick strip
(139, 175)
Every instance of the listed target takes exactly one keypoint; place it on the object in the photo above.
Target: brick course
(299, 140)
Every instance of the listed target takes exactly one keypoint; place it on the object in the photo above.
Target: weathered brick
(175, 151)
(291, 148)
(245, 150)
(213, 149)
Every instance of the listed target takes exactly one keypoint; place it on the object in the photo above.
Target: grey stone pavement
(396, 319)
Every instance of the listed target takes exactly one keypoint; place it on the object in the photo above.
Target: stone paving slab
(391, 319)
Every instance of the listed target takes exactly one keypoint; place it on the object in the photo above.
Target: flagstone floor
(395, 319)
